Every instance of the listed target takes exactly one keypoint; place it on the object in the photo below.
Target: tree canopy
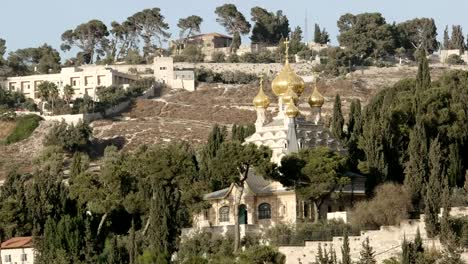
(269, 27)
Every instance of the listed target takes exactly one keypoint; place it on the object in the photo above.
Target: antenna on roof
(306, 29)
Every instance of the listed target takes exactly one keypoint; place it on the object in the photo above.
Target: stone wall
(386, 242)
(270, 69)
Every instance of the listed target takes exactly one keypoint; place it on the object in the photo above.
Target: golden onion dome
(261, 100)
(316, 99)
(287, 78)
(290, 96)
(291, 110)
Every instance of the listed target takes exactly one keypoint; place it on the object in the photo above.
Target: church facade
(266, 203)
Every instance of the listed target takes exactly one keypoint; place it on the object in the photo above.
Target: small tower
(316, 101)
(261, 103)
(291, 111)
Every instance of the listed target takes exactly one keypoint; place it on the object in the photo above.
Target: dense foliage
(24, 127)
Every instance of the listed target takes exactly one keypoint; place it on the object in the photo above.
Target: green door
(243, 214)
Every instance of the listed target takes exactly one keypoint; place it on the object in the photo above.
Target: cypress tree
(338, 120)
(353, 133)
(446, 39)
(433, 189)
(446, 234)
(454, 171)
(164, 228)
(418, 243)
(416, 170)
(345, 250)
(317, 34)
(325, 37)
(423, 78)
(367, 253)
(458, 40)
(405, 254)
(208, 153)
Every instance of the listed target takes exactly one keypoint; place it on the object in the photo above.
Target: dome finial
(261, 100)
(286, 51)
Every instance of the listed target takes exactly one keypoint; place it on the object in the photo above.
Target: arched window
(224, 214)
(264, 211)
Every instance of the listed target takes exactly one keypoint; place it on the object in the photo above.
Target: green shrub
(248, 57)
(193, 53)
(231, 77)
(233, 58)
(70, 138)
(390, 205)
(218, 57)
(260, 254)
(455, 59)
(25, 125)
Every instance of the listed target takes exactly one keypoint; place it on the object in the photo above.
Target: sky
(30, 23)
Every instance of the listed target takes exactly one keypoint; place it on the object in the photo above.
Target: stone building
(164, 72)
(266, 203)
(209, 43)
(17, 250)
(83, 80)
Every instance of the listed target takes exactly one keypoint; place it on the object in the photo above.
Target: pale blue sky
(30, 23)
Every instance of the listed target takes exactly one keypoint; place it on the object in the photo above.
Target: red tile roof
(18, 242)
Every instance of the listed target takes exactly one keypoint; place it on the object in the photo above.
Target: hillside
(189, 116)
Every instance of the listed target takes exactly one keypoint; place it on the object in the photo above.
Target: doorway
(242, 214)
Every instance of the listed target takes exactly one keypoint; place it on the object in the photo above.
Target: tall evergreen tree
(367, 253)
(458, 39)
(455, 166)
(405, 252)
(338, 120)
(317, 34)
(416, 171)
(433, 189)
(423, 78)
(446, 234)
(164, 228)
(208, 153)
(418, 243)
(446, 39)
(345, 250)
(354, 131)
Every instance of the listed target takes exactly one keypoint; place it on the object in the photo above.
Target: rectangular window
(24, 257)
(100, 80)
(7, 258)
(162, 68)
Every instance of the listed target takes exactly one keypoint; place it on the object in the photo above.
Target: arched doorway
(242, 214)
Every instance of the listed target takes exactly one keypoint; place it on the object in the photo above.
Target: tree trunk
(101, 224)
(147, 226)
(236, 217)
(316, 212)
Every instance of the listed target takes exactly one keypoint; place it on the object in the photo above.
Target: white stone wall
(16, 255)
(269, 69)
(386, 242)
(444, 54)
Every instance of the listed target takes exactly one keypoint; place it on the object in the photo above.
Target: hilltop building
(164, 72)
(266, 203)
(17, 250)
(209, 43)
(84, 80)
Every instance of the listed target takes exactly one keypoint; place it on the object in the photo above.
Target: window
(224, 214)
(24, 257)
(206, 214)
(264, 211)
(7, 258)
(162, 68)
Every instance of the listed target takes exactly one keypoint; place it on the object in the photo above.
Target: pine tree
(367, 253)
(345, 250)
(433, 189)
(416, 170)
(338, 120)
(317, 34)
(446, 39)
